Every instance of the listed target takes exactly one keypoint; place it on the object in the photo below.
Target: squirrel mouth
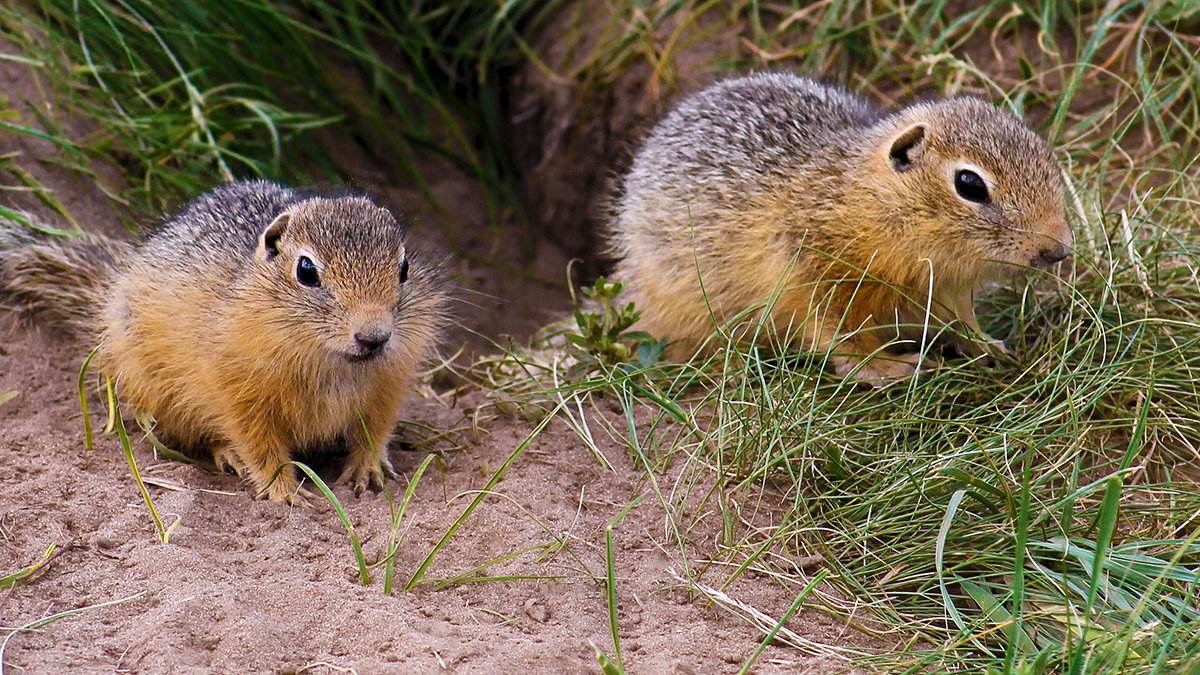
(363, 356)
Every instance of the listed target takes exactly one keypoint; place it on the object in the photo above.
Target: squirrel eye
(306, 272)
(971, 187)
(404, 270)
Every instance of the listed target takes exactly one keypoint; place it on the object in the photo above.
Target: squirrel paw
(286, 492)
(226, 460)
(362, 471)
(985, 349)
(282, 490)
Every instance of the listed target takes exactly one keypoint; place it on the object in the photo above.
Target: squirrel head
(338, 267)
(979, 189)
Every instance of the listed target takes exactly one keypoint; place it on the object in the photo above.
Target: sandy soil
(251, 586)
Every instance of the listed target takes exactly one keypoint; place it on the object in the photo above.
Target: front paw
(366, 470)
(983, 348)
(227, 460)
(285, 490)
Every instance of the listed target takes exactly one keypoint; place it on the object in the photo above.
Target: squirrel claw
(361, 482)
(226, 460)
(362, 475)
(294, 496)
(385, 467)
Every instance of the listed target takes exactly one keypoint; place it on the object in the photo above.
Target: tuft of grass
(179, 97)
(185, 96)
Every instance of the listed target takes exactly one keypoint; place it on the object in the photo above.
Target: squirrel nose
(1056, 253)
(371, 340)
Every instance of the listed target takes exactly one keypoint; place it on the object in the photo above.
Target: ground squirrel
(258, 320)
(846, 221)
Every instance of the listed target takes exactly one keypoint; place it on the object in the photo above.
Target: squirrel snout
(370, 340)
(1051, 255)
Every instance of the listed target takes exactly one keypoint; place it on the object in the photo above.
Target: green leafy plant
(603, 336)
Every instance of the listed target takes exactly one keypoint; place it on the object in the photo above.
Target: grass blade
(45, 621)
(1104, 532)
(610, 581)
(818, 578)
(419, 573)
(364, 576)
(397, 516)
(164, 533)
(940, 554)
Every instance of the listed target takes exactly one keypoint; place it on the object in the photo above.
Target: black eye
(404, 270)
(306, 272)
(971, 187)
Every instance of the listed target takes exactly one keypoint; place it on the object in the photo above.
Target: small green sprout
(604, 336)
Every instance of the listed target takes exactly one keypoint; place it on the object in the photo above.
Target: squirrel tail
(61, 276)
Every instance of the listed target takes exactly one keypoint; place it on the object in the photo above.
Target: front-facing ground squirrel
(257, 321)
(776, 191)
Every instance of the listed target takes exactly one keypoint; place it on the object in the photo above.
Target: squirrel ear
(268, 243)
(908, 147)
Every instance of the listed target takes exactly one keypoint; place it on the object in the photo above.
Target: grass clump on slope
(189, 94)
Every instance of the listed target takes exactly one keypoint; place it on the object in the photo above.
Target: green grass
(1038, 516)
(30, 572)
(482, 493)
(189, 95)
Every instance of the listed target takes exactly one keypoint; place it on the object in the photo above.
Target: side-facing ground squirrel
(777, 191)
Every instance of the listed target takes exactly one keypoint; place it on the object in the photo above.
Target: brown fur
(773, 195)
